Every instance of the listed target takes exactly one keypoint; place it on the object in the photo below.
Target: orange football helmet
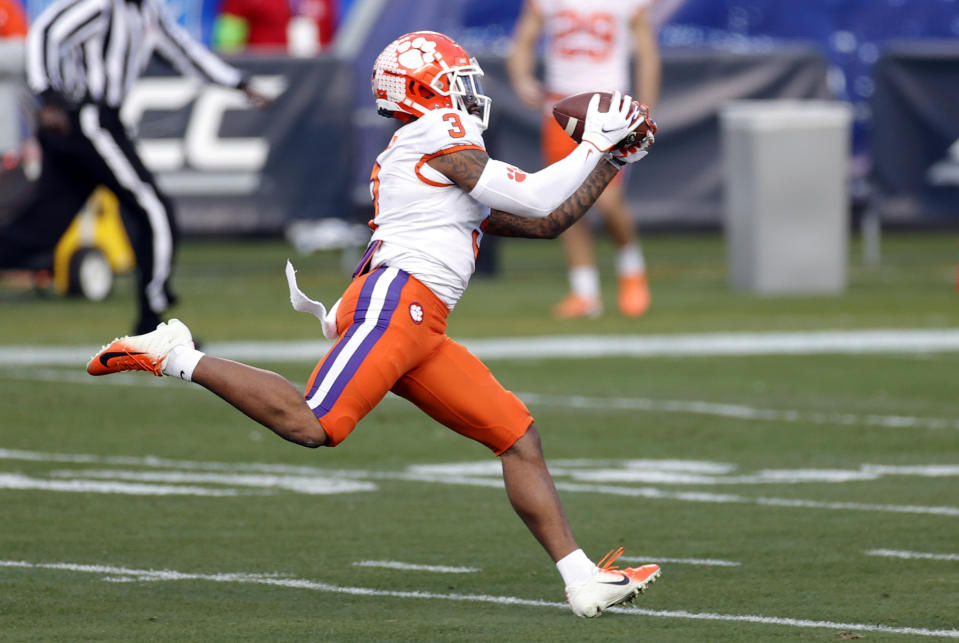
(425, 70)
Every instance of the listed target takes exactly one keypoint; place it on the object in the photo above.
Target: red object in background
(13, 22)
(323, 12)
(268, 19)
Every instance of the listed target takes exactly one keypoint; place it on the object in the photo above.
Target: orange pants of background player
(557, 144)
(393, 338)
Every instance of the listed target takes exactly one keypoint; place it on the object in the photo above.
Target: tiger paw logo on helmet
(423, 71)
(413, 54)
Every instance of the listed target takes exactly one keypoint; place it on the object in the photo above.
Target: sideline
(897, 341)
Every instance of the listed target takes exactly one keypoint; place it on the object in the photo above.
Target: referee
(82, 58)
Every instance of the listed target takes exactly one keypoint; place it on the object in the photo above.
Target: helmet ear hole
(418, 89)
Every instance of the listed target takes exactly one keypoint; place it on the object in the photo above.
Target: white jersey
(588, 44)
(427, 225)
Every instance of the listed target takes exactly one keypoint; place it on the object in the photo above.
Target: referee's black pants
(96, 150)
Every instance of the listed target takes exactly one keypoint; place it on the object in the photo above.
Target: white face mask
(466, 90)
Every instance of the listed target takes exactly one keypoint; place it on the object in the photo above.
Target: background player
(82, 58)
(435, 193)
(588, 48)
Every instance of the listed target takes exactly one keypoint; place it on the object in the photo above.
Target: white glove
(604, 130)
(636, 152)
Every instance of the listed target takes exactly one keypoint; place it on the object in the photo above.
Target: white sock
(575, 568)
(180, 362)
(584, 281)
(630, 261)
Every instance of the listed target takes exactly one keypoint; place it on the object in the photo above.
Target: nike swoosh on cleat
(106, 357)
(624, 581)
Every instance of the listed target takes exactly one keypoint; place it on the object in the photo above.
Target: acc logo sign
(198, 157)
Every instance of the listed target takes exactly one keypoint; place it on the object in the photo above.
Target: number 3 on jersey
(456, 125)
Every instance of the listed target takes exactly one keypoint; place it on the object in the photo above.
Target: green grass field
(788, 495)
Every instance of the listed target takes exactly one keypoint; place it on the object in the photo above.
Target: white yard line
(115, 573)
(735, 411)
(22, 482)
(305, 484)
(393, 564)
(706, 562)
(726, 498)
(910, 555)
(302, 484)
(894, 341)
(689, 345)
(28, 373)
(603, 404)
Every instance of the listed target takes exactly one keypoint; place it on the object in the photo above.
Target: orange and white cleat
(634, 297)
(575, 306)
(610, 586)
(146, 352)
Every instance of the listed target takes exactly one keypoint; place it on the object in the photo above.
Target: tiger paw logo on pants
(416, 313)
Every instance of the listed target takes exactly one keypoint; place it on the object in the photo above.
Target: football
(570, 113)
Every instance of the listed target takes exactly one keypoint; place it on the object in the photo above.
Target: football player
(588, 47)
(435, 194)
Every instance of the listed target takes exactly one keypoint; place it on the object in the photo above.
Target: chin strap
(303, 304)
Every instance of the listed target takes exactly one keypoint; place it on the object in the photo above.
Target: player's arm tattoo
(463, 167)
(550, 227)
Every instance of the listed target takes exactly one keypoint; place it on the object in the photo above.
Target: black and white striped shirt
(94, 50)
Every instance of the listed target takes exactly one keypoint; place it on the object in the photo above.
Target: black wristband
(615, 162)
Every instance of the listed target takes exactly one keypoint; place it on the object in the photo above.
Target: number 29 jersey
(425, 224)
(588, 44)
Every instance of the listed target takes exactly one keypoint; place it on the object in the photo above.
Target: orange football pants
(393, 338)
